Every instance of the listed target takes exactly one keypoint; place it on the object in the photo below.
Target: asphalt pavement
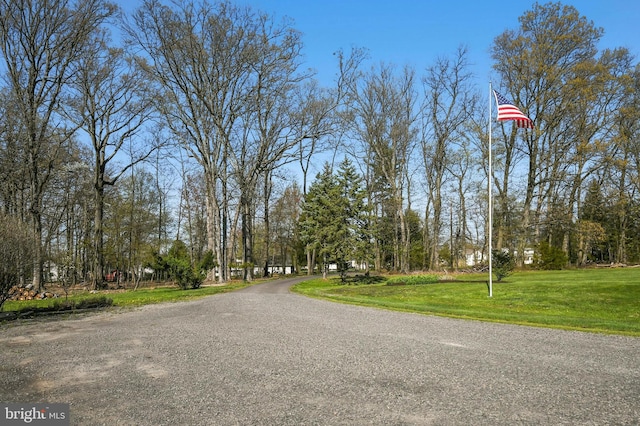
(265, 356)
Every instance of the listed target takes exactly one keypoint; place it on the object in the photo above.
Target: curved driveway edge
(264, 356)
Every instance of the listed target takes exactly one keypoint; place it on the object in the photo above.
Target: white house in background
(51, 272)
(473, 257)
(286, 270)
(528, 256)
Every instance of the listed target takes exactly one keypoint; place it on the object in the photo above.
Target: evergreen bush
(550, 257)
(502, 264)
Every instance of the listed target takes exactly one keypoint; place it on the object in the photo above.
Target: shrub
(502, 263)
(186, 276)
(412, 280)
(208, 262)
(177, 264)
(366, 279)
(550, 257)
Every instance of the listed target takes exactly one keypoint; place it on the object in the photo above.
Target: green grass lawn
(599, 300)
(123, 298)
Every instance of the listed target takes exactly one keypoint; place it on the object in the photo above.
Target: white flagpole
(490, 179)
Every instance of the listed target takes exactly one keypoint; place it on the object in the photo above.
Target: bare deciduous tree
(538, 65)
(111, 104)
(200, 58)
(383, 106)
(41, 42)
(449, 103)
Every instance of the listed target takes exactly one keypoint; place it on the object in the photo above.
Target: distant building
(474, 257)
(528, 256)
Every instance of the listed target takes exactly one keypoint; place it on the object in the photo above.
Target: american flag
(508, 111)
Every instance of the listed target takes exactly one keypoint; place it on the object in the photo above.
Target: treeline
(197, 121)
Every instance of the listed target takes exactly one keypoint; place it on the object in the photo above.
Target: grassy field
(598, 300)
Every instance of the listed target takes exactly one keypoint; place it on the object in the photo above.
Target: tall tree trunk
(36, 218)
(426, 238)
(404, 241)
(267, 239)
(225, 258)
(98, 234)
(462, 218)
(621, 249)
(309, 262)
(213, 222)
(325, 266)
(247, 237)
(435, 229)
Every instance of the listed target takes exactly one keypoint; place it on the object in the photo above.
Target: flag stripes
(508, 111)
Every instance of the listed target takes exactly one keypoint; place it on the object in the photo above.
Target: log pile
(28, 293)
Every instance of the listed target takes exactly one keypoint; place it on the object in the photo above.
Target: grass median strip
(124, 298)
(596, 300)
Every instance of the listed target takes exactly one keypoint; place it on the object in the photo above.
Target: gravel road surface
(264, 356)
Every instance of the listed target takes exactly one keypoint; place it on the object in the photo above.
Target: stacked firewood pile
(28, 293)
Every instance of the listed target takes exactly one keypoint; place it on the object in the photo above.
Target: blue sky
(416, 32)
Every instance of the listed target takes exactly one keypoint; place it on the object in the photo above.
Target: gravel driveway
(264, 356)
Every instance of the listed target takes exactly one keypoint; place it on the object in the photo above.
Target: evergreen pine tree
(332, 217)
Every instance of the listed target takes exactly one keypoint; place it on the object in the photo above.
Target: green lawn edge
(596, 300)
(129, 297)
